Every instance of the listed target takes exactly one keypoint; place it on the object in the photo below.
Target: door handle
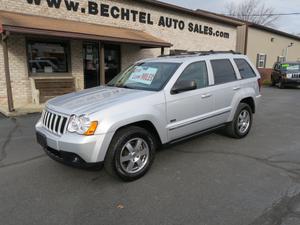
(206, 95)
(236, 88)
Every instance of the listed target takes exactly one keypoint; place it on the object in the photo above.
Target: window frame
(207, 74)
(233, 68)
(258, 60)
(49, 40)
(281, 59)
(244, 78)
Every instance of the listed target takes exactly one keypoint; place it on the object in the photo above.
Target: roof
(272, 30)
(198, 13)
(28, 24)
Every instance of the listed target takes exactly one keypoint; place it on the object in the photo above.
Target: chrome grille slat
(48, 118)
(45, 117)
(59, 126)
(49, 121)
(54, 122)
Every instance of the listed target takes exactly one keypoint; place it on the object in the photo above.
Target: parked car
(152, 103)
(286, 74)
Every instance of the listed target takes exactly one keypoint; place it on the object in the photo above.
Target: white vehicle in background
(154, 102)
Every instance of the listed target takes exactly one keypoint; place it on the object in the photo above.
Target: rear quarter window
(245, 69)
(223, 71)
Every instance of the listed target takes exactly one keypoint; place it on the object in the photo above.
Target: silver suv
(152, 103)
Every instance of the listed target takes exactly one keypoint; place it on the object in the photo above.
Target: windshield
(291, 67)
(150, 76)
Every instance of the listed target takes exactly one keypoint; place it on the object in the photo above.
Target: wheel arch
(146, 124)
(250, 101)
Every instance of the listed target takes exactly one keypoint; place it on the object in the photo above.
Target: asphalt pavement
(209, 180)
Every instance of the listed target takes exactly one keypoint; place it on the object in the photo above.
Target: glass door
(91, 64)
(112, 61)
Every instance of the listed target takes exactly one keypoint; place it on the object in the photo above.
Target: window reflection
(47, 57)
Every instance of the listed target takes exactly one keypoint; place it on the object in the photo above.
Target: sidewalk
(21, 110)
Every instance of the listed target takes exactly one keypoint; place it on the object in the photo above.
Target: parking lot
(209, 180)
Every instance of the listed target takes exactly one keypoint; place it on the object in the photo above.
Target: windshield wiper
(125, 86)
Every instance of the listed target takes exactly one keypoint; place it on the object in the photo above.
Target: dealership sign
(126, 14)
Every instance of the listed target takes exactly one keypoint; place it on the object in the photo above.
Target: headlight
(82, 125)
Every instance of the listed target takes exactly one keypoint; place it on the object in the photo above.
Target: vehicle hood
(94, 99)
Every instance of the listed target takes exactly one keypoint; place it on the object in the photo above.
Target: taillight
(259, 84)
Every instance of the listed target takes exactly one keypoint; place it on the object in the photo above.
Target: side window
(223, 71)
(261, 60)
(196, 71)
(245, 69)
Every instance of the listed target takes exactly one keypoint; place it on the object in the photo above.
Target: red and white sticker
(144, 75)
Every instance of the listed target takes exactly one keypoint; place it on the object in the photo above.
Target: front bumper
(288, 81)
(74, 147)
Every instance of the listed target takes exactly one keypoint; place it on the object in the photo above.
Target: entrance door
(112, 61)
(91, 65)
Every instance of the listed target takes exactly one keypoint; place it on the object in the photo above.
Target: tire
(273, 83)
(234, 129)
(281, 85)
(131, 153)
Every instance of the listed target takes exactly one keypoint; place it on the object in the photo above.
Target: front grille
(296, 76)
(54, 122)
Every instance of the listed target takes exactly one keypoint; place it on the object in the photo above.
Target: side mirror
(184, 85)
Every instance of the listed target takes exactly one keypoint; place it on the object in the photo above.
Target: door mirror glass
(183, 86)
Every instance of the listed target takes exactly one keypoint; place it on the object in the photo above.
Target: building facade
(52, 47)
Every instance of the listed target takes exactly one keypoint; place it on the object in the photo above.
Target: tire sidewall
(139, 133)
(281, 85)
(242, 107)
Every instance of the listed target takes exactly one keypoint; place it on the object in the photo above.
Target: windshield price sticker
(144, 75)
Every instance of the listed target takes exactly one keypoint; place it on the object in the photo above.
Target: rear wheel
(242, 122)
(131, 153)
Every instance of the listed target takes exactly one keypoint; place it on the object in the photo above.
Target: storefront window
(47, 57)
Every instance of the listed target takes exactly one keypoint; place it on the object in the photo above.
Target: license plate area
(41, 139)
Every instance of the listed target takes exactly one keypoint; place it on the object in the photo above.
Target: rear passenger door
(226, 84)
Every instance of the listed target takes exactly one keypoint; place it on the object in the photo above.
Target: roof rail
(199, 53)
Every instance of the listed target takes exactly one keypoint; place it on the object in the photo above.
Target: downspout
(4, 38)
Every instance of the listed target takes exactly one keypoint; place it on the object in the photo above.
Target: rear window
(245, 69)
(223, 71)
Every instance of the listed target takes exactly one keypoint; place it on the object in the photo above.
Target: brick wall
(132, 53)
(77, 63)
(180, 39)
(21, 88)
(265, 74)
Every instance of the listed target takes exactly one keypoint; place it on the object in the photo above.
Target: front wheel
(273, 83)
(242, 122)
(131, 153)
(281, 85)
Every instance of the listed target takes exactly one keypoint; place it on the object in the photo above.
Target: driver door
(190, 111)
